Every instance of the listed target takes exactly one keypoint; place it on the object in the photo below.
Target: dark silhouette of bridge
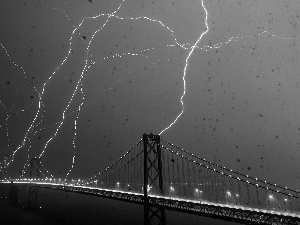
(162, 176)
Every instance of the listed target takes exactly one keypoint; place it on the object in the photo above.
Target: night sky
(83, 80)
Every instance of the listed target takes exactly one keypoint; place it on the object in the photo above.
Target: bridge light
(271, 197)
(172, 188)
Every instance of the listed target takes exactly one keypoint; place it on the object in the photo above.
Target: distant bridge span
(160, 176)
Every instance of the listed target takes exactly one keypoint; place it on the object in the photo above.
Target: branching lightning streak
(75, 130)
(6, 125)
(61, 10)
(27, 163)
(155, 21)
(79, 82)
(34, 127)
(185, 69)
(8, 116)
(235, 39)
(86, 67)
(208, 48)
(40, 94)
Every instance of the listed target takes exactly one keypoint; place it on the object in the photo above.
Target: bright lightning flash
(34, 126)
(186, 67)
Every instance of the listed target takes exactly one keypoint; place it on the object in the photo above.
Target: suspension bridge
(161, 176)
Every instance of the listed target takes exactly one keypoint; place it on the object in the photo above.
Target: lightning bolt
(186, 67)
(36, 123)
(38, 118)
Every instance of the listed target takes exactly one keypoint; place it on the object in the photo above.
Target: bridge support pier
(154, 215)
(33, 190)
(153, 179)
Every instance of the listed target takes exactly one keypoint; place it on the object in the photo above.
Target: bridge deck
(230, 212)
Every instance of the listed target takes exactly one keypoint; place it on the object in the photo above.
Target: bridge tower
(33, 190)
(153, 179)
(3, 176)
(3, 171)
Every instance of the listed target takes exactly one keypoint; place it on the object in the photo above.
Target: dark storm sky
(78, 82)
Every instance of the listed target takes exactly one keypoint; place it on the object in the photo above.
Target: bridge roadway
(229, 212)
